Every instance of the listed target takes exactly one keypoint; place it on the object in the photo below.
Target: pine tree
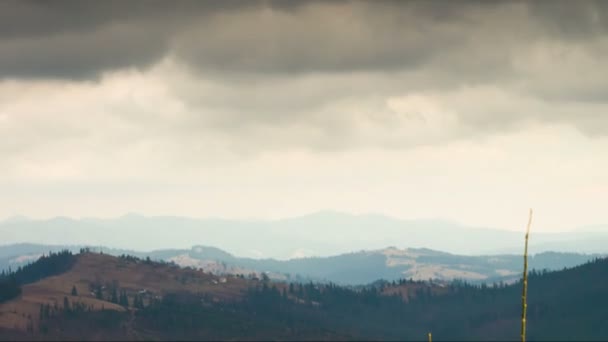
(47, 311)
(265, 277)
(98, 293)
(123, 300)
(74, 291)
(114, 297)
(66, 304)
(30, 324)
(138, 302)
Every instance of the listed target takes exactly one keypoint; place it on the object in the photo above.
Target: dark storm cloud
(571, 19)
(34, 17)
(80, 39)
(282, 63)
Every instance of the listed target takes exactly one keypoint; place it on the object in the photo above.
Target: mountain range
(319, 234)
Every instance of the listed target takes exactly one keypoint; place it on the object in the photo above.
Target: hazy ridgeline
(319, 234)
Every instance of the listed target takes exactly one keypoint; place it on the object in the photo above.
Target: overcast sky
(467, 111)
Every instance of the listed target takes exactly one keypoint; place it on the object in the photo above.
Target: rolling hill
(94, 272)
(187, 304)
(389, 263)
(355, 268)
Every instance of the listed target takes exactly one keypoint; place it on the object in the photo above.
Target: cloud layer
(160, 97)
(548, 50)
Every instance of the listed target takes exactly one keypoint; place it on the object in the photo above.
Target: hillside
(94, 272)
(186, 304)
(349, 269)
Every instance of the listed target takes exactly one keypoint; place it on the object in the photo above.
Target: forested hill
(562, 305)
(355, 268)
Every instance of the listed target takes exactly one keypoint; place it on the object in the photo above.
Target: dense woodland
(567, 305)
(563, 305)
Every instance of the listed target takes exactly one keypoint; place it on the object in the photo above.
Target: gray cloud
(269, 67)
(77, 39)
(81, 39)
(567, 20)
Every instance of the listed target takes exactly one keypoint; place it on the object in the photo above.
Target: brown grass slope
(134, 277)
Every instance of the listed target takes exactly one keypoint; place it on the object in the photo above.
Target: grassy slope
(98, 268)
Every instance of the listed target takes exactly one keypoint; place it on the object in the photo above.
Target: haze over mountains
(358, 268)
(324, 246)
(317, 234)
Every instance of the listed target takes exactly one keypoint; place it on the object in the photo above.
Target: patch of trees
(9, 288)
(45, 266)
(76, 320)
(111, 292)
(155, 263)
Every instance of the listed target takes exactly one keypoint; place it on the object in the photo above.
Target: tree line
(47, 265)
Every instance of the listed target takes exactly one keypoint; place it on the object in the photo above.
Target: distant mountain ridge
(353, 268)
(319, 234)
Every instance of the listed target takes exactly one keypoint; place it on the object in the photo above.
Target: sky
(470, 111)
